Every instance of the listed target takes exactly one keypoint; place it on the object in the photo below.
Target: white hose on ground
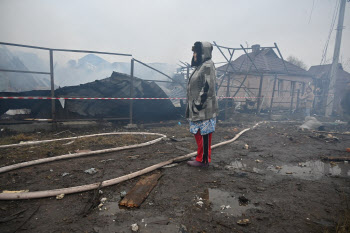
(75, 155)
(77, 137)
(82, 188)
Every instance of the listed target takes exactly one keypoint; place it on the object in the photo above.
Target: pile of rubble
(118, 85)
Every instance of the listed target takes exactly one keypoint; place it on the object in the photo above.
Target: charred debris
(117, 85)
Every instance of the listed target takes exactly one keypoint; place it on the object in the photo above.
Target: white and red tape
(107, 98)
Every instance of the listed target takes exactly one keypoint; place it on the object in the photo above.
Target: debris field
(273, 178)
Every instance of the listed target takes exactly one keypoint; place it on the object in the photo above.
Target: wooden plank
(140, 191)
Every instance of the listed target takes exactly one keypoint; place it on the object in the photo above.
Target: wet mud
(272, 175)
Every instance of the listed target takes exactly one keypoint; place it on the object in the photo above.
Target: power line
(335, 14)
(312, 9)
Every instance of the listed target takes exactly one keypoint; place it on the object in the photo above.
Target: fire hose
(87, 187)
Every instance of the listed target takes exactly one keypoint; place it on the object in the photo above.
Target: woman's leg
(204, 147)
(307, 111)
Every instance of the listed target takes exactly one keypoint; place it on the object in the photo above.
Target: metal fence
(52, 80)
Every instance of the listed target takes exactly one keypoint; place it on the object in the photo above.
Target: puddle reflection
(243, 167)
(313, 170)
(310, 170)
(225, 202)
(111, 208)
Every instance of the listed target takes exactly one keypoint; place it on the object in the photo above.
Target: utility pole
(334, 68)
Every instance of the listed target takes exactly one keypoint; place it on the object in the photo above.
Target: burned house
(262, 80)
(321, 75)
(116, 86)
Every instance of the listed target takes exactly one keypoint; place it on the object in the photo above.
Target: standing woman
(202, 105)
(308, 100)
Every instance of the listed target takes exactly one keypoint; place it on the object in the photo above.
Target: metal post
(228, 64)
(259, 95)
(273, 95)
(24, 71)
(246, 76)
(227, 95)
(242, 83)
(131, 89)
(292, 83)
(224, 56)
(334, 68)
(175, 81)
(251, 60)
(279, 52)
(53, 107)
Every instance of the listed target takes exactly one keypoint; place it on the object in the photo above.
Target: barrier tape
(112, 98)
(84, 98)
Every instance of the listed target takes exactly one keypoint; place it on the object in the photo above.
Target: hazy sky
(164, 30)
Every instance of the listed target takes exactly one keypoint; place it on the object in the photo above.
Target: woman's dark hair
(197, 48)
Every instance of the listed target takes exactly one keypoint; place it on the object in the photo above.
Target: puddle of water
(238, 165)
(312, 170)
(216, 199)
(243, 167)
(111, 208)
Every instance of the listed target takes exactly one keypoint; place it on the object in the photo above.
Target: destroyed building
(116, 86)
(321, 74)
(262, 74)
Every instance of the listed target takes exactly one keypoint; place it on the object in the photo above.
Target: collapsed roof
(118, 85)
(266, 62)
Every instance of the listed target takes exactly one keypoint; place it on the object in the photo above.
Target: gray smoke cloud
(164, 30)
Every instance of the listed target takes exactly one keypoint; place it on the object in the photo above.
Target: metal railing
(51, 73)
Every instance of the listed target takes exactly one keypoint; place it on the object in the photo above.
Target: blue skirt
(205, 126)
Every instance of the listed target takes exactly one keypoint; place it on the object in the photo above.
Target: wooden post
(324, 95)
(303, 89)
(273, 95)
(259, 95)
(131, 90)
(298, 99)
(292, 83)
(52, 80)
(227, 94)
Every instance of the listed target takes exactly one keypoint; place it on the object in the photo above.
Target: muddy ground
(274, 169)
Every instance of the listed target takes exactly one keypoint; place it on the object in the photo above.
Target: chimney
(255, 48)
